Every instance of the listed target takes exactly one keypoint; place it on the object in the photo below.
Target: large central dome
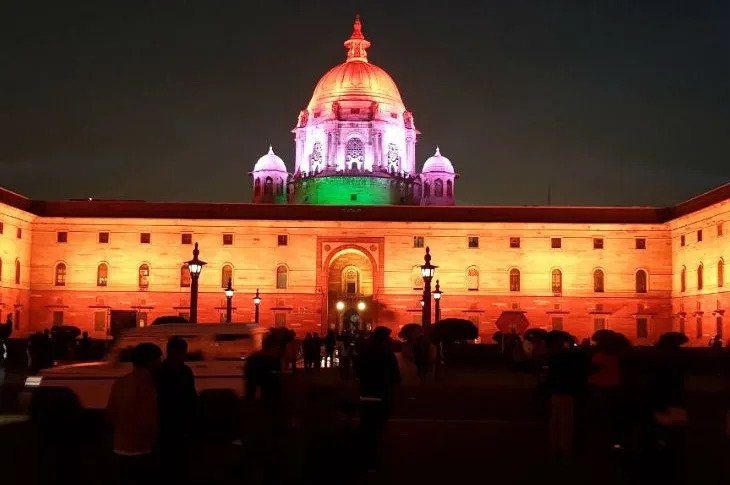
(356, 79)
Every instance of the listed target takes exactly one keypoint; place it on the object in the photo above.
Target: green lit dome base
(350, 189)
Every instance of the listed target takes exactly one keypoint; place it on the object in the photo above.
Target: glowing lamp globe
(195, 265)
(361, 305)
(427, 269)
(423, 303)
(257, 298)
(340, 306)
(437, 295)
(229, 290)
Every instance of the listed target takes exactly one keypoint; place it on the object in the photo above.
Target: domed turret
(270, 179)
(437, 179)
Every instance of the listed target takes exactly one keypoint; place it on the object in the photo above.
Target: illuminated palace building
(351, 224)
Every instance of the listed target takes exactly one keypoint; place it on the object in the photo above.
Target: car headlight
(33, 381)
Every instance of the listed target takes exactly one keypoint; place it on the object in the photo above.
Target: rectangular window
(699, 235)
(514, 242)
(144, 238)
(186, 238)
(699, 327)
(280, 319)
(19, 233)
(556, 242)
(599, 323)
(103, 238)
(597, 243)
(351, 288)
(473, 242)
(719, 229)
(418, 241)
(282, 240)
(640, 243)
(62, 237)
(642, 327)
(682, 241)
(100, 321)
(557, 323)
(228, 239)
(57, 318)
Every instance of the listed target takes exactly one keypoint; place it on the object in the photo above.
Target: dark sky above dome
(610, 102)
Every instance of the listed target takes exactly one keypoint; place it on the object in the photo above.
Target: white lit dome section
(270, 179)
(437, 180)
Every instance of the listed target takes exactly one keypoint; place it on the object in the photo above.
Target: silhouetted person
(263, 372)
(377, 369)
(566, 376)
(316, 350)
(330, 341)
(6, 329)
(307, 350)
(84, 352)
(606, 392)
(421, 356)
(133, 413)
(178, 408)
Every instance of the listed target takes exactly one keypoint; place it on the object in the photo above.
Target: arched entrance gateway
(350, 280)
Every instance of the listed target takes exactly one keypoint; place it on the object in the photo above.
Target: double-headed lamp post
(427, 271)
(195, 266)
(229, 297)
(437, 298)
(257, 303)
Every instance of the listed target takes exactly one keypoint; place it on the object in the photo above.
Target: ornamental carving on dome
(303, 118)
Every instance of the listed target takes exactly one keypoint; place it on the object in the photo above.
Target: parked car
(216, 354)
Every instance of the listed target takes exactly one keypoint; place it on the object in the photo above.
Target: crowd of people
(154, 409)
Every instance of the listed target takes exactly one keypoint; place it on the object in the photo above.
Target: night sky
(612, 102)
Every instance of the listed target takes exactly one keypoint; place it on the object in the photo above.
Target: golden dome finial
(356, 45)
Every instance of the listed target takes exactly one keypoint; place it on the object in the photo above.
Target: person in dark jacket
(178, 409)
(263, 373)
(330, 341)
(316, 350)
(378, 372)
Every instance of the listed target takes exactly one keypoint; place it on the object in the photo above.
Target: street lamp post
(427, 271)
(229, 297)
(256, 302)
(195, 266)
(437, 299)
(340, 305)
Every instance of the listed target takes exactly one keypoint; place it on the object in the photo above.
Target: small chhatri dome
(438, 163)
(270, 162)
(356, 79)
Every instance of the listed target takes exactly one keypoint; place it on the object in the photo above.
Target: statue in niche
(393, 158)
(316, 162)
(373, 109)
(408, 119)
(303, 117)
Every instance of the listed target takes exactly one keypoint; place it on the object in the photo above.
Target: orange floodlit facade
(339, 241)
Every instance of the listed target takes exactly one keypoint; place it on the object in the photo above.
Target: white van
(216, 354)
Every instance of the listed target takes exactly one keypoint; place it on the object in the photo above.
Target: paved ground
(488, 425)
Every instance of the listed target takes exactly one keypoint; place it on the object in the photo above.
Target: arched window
(514, 279)
(426, 190)
(60, 274)
(269, 186)
(350, 280)
(417, 278)
(143, 278)
(720, 273)
(354, 153)
(449, 188)
(472, 278)
(700, 276)
(683, 279)
(557, 281)
(282, 277)
(257, 186)
(185, 278)
(226, 275)
(598, 281)
(641, 281)
(438, 188)
(102, 274)
(17, 271)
